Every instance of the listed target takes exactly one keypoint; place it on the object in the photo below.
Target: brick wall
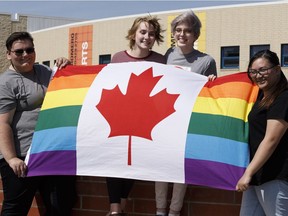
(93, 200)
(6, 28)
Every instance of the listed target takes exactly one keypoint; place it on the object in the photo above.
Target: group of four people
(22, 90)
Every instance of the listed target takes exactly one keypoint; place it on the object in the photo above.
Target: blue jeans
(269, 199)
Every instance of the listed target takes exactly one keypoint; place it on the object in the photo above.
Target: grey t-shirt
(25, 92)
(195, 61)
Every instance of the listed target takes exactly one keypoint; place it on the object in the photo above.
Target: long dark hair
(280, 86)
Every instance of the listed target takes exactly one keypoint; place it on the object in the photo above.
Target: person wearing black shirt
(265, 182)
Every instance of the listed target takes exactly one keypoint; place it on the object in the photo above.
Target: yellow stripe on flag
(231, 107)
(66, 97)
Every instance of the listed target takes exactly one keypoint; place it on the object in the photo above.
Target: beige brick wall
(246, 25)
(6, 28)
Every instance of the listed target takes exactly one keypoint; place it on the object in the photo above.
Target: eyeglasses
(20, 52)
(185, 31)
(261, 71)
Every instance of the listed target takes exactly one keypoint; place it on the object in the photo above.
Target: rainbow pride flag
(146, 121)
(216, 147)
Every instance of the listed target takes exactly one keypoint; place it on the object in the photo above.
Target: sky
(95, 9)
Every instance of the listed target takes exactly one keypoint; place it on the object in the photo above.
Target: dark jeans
(118, 188)
(58, 193)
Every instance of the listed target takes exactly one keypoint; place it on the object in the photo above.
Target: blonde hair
(154, 21)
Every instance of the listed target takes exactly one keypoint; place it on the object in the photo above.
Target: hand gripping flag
(144, 120)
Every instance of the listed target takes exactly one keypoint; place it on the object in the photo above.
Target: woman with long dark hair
(265, 181)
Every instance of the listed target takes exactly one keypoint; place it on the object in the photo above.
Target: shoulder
(279, 107)
(119, 53)
(7, 75)
(118, 56)
(43, 72)
(283, 96)
(203, 55)
(169, 51)
(156, 53)
(42, 68)
(8, 84)
(157, 57)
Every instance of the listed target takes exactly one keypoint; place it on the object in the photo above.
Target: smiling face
(264, 74)
(144, 37)
(185, 37)
(22, 62)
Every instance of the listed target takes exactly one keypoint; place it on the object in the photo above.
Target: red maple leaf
(136, 113)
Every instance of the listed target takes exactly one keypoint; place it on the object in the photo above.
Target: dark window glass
(284, 55)
(256, 48)
(104, 59)
(230, 57)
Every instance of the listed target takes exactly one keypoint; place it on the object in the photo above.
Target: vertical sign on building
(200, 44)
(80, 45)
(170, 38)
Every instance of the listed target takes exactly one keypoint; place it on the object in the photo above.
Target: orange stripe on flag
(231, 90)
(76, 81)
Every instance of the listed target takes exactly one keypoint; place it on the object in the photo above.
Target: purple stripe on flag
(52, 163)
(212, 174)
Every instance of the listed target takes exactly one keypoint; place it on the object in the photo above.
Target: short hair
(18, 36)
(152, 20)
(192, 21)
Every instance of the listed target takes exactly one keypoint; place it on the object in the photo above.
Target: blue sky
(94, 9)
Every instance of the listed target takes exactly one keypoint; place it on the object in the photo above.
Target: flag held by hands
(144, 120)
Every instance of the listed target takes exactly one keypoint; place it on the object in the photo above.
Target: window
(104, 59)
(47, 63)
(284, 55)
(256, 48)
(230, 57)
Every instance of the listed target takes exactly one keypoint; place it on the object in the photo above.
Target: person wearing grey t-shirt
(22, 89)
(186, 30)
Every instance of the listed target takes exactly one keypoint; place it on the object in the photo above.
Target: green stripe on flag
(58, 117)
(218, 126)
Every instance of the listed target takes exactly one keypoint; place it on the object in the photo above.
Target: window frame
(284, 55)
(234, 57)
(105, 59)
(256, 48)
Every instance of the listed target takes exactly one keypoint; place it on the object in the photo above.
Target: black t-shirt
(277, 165)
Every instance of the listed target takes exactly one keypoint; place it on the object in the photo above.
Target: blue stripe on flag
(217, 149)
(55, 139)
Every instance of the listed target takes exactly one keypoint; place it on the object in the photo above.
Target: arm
(274, 132)
(7, 147)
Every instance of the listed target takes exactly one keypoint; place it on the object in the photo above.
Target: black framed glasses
(20, 52)
(261, 71)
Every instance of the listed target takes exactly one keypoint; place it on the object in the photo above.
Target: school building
(231, 34)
